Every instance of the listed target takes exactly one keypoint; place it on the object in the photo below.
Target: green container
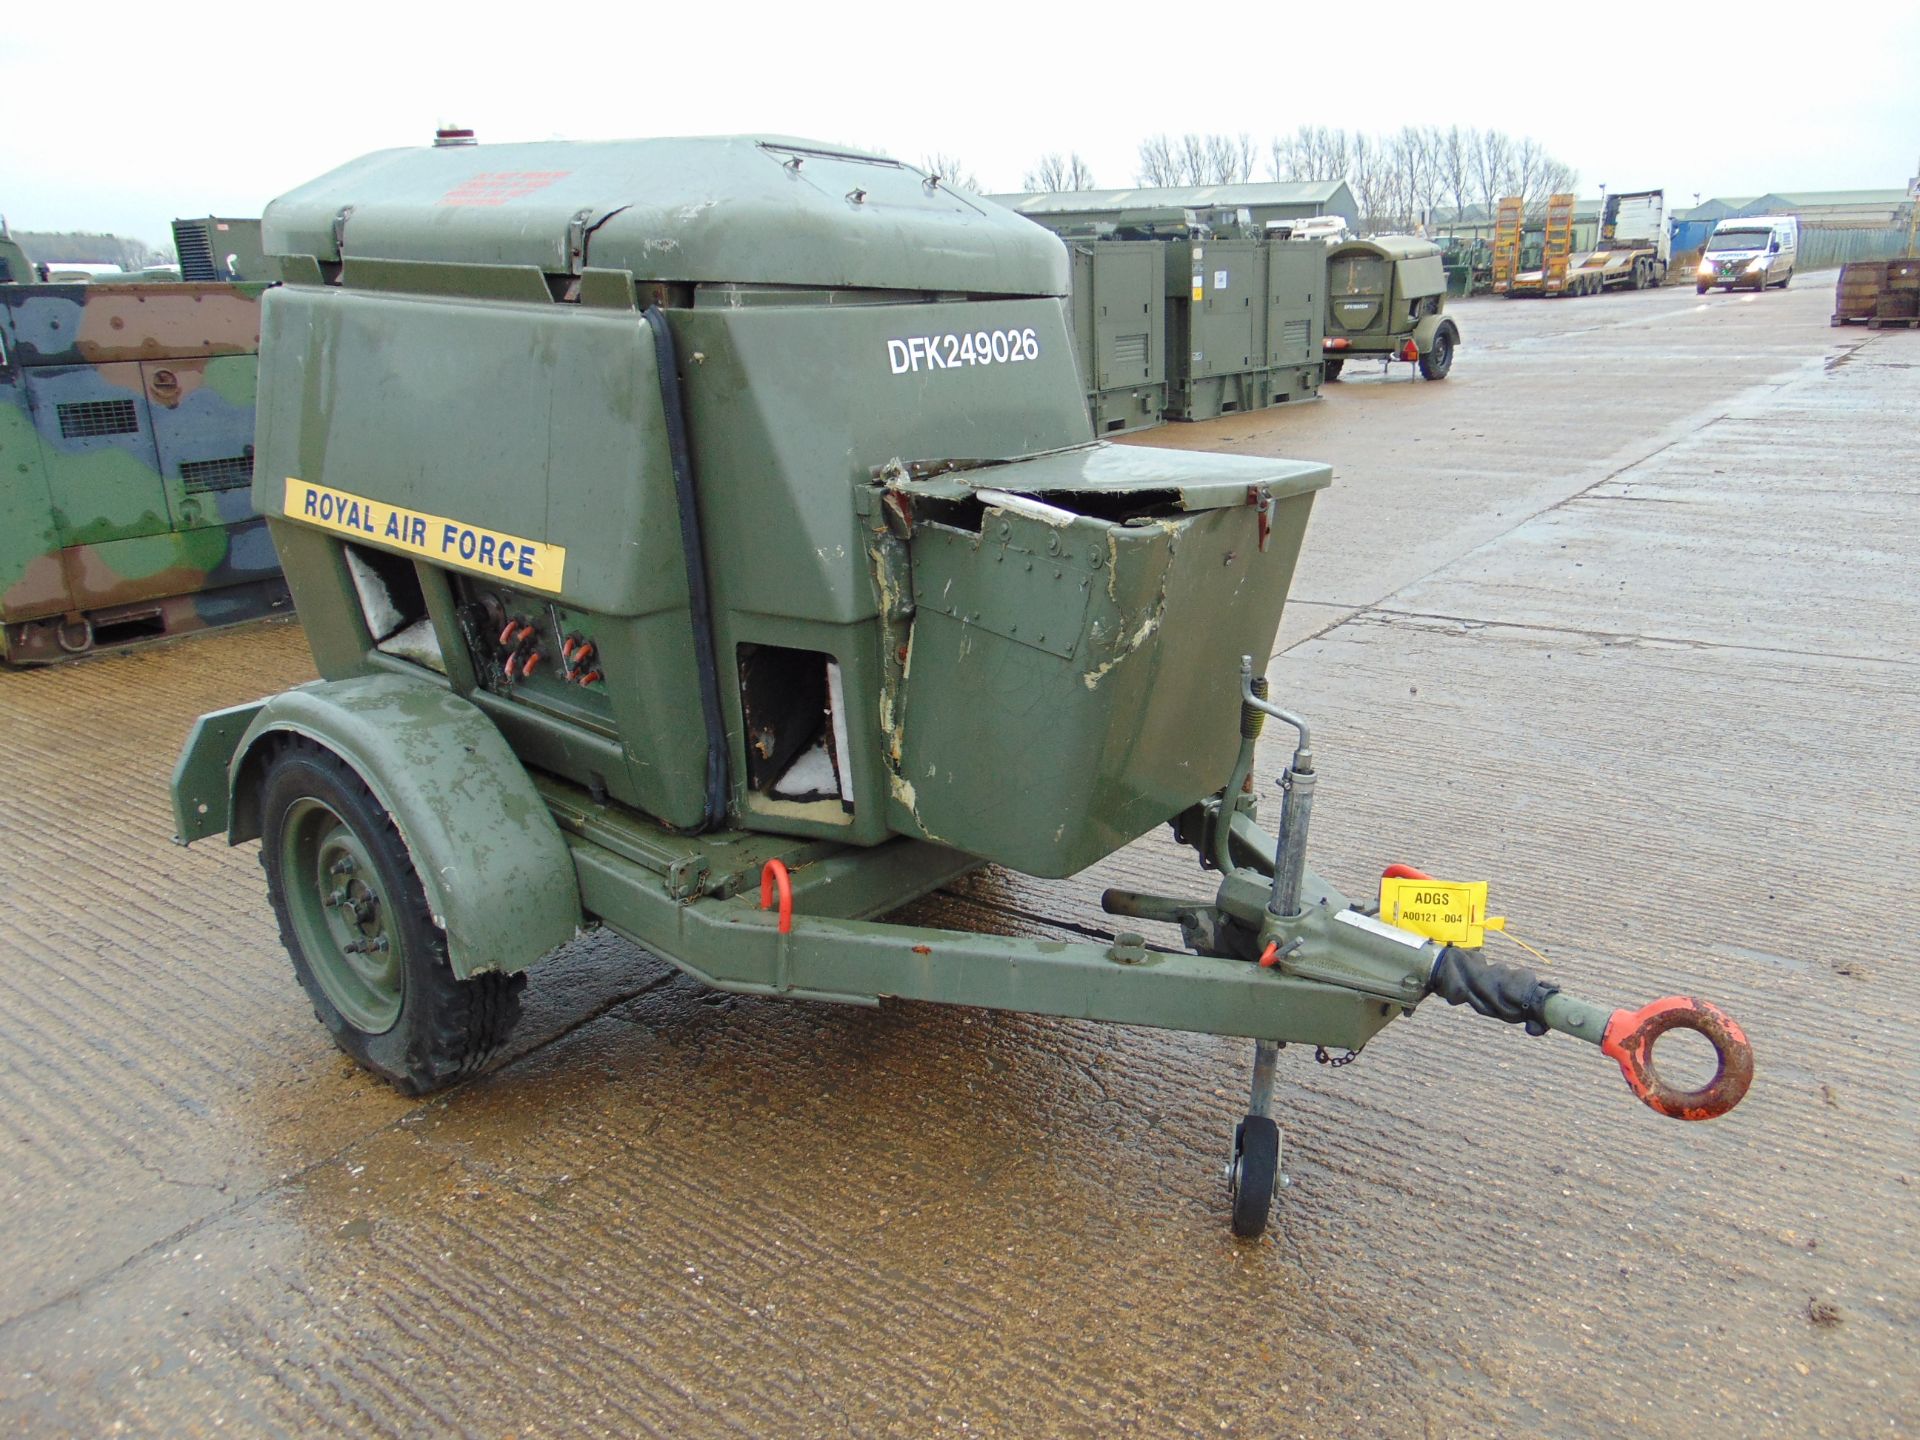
(1119, 329)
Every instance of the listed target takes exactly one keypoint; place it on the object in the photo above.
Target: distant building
(1263, 200)
(1831, 209)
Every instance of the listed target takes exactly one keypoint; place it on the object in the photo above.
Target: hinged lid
(1184, 479)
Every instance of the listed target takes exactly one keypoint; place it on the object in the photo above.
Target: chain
(1324, 1056)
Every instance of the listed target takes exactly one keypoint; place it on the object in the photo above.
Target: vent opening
(195, 250)
(205, 477)
(86, 419)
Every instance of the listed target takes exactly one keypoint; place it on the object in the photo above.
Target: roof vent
(452, 135)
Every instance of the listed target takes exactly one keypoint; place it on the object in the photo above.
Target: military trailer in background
(1468, 262)
(1239, 323)
(706, 539)
(126, 460)
(1386, 300)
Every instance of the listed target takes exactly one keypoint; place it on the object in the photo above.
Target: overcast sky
(122, 116)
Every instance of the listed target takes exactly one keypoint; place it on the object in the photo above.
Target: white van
(1754, 251)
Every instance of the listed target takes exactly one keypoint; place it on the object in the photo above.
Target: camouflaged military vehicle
(126, 456)
(706, 539)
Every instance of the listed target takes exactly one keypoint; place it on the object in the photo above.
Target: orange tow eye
(1629, 1039)
(773, 873)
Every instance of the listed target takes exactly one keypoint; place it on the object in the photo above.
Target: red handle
(1403, 872)
(773, 873)
(1629, 1039)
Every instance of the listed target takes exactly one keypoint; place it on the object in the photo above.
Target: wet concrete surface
(1621, 616)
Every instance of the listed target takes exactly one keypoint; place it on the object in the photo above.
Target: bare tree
(1402, 181)
(1557, 178)
(1453, 160)
(1057, 172)
(1158, 165)
(1191, 151)
(1229, 160)
(951, 170)
(1313, 152)
(1537, 175)
(1364, 176)
(1195, 159)
(1413, 175)
(1493, 169)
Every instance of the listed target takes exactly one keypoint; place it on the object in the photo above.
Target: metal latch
(1261, 499)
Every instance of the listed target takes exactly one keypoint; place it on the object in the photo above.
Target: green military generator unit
(1241, 315)
(706, 539)
(1243, 324)
(126, 465)
(1119, 330)
(1386, 300)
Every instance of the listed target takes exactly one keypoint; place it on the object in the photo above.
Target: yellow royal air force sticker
(512, 558)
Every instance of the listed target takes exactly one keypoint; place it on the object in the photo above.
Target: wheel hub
(341, 915)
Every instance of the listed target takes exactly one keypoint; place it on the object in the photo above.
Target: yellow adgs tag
(512, 558)
(1452, 912)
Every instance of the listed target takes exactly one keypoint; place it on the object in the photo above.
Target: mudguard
(497, 874)
(1432, 325)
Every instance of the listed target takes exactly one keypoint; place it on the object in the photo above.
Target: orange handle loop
(1629, 1039)
(1403, 872)
(773, 873)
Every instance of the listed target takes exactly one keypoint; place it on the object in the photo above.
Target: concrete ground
(1622, 617)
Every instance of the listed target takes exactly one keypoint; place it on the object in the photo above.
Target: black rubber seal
(699, 597)
(1512, 993)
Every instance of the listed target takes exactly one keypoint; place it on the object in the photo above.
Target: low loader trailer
(706, 539)
(1631, 252)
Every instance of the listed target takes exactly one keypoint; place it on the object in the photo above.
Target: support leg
(1256, 1150)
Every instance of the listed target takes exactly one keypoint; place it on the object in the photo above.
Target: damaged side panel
(1042, 722)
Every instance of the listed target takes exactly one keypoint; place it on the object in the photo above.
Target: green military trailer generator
(705, 539)
(126, 465)
(1386, 299)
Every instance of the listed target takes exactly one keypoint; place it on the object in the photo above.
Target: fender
(497, 874)
(1430, 326)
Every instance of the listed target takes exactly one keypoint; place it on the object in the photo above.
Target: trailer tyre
(355, 922)
(1333, 370)
(1256, 1166)
(1438, 360)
